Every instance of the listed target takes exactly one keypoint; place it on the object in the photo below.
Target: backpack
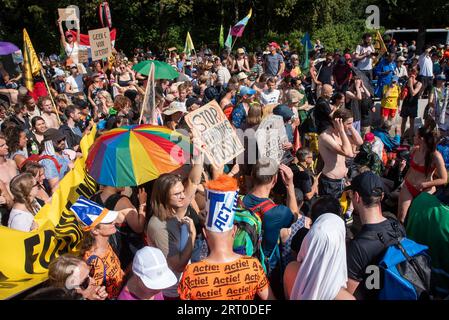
(405, 269)
(36, 158)
(309, 124)
(248, 238)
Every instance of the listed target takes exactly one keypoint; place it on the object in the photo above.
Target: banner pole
(145, 97)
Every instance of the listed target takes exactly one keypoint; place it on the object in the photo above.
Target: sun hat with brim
(294, 96)
(441, 77)
(90, 214)
(151, 267)
(240, 51)
(242, 76)
(174, 107)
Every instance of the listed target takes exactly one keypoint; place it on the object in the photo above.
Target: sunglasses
(85, 284)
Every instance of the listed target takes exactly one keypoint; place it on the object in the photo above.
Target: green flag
(307, 44)
(228, 43)
(221, 39)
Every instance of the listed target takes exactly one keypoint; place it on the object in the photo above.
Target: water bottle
(34, 148)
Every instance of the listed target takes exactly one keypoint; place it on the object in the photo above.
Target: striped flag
(228, 43)
(31, 63)
(188, 47)
(237, 30)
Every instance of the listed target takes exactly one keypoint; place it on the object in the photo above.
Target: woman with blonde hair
(104, 103)
(24, 188)
(37, 170)
(72, 273)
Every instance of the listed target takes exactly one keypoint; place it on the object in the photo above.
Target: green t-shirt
(428, 224)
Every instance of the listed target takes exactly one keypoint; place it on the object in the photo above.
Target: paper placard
(214, 129)
(100, 43)
(270, 136)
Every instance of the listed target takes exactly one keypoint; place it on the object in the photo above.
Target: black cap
(367, 184)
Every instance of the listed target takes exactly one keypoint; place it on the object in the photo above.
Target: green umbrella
(162, 69)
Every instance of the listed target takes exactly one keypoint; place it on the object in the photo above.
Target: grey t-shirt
(170, 237)
(272, 64)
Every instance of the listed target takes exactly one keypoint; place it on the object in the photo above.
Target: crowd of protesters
(351, 174)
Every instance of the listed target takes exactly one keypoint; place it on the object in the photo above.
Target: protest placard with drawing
(270, 136)
(214, 129)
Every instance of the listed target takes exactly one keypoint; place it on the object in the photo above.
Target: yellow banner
(25, 256)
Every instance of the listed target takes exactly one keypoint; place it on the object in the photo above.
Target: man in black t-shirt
(325, 70)
(323, 110)
(377, 233)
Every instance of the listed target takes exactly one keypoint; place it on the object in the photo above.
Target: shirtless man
(334, 146)
(8, 168)
(51, 120)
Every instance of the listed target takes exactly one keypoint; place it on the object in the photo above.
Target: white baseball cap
(151, 267)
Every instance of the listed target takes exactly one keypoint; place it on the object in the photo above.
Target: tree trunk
(421, 40)
(162, 23)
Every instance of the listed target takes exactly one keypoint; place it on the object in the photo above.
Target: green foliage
(340, 36)
(160, 24)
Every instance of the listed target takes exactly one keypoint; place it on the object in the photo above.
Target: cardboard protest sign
(100, 43)
(68, 14)
(71, 16)
(83, 56)
(270, 136)
(216, 132)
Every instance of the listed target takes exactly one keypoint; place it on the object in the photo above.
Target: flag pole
(50, 95)
(232, 47)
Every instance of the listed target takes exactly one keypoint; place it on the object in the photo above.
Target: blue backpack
(405, 268)
(406, 272)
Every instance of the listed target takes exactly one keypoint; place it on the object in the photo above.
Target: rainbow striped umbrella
(133, 155)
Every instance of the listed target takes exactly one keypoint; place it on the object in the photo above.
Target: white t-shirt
(425, 66)
(366, 63)
(72, 52)
(76, 84)
(270, 97)
(401, 72)
(20, 220)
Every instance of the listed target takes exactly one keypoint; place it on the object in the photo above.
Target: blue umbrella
(7, 48)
